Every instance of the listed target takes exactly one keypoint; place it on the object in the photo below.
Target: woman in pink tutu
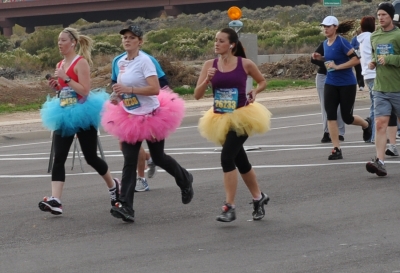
(138, 110)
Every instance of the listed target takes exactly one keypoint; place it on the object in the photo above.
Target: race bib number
(68, 97)
(383, 50)
(225, 100)
(130, 101)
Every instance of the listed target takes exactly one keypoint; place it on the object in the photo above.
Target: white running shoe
(392, 150)
(141, 184)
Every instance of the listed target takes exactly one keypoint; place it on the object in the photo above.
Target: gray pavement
(324, 216)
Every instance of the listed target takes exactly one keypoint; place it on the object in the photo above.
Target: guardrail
(11, 1)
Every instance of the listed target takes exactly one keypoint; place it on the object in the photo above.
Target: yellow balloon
(234, 13)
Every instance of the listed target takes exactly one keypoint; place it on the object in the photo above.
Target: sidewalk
(26, 122)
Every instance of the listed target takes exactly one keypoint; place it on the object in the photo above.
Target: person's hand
(371, 65)
(210, 73)
(251, 96)
(54, 84)
(381, 60)
(60, 73)
(316, 56)
(121, 89)
(114, 98)
(331, 65)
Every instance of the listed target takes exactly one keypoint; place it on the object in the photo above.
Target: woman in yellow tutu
(234, 117)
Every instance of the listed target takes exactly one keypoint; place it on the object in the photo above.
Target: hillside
(26, 83)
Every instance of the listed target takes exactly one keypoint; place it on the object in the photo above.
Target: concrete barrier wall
(262, 59)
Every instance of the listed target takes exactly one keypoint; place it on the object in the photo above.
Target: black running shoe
(367, 132)
(341, 138)
(376, 167)
(228, 214)
(258, 206)
(336, 154)
(187, 193)
(49, 204)
(326, 138)
(122, 211)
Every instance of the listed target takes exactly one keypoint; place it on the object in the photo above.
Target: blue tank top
(233, 80)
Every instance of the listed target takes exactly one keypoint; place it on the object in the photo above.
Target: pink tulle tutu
(154, 126)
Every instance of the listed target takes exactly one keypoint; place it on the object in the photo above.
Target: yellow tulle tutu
(251, 119)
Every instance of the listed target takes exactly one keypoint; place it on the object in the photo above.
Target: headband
(73, 36)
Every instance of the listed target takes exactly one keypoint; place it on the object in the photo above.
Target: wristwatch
(67, 80)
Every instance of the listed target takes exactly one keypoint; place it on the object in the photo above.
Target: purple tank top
(234, 79)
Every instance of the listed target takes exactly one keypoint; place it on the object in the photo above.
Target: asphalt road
(324, 216)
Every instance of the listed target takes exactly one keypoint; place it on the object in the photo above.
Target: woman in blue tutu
(76, 111)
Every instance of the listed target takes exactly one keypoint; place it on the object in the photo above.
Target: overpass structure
(32, 13)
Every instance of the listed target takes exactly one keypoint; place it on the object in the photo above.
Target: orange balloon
(234, 13)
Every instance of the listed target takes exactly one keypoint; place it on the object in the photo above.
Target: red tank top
(70, 73)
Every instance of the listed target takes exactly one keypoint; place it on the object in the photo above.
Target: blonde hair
(85, 43)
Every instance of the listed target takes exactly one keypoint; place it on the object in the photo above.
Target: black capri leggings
(233, 154)
(392, 119)
(88, 142)
(343, 96)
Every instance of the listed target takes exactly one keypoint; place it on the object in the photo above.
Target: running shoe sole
(372, 169)
(46, 208)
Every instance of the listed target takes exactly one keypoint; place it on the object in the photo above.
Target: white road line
(215, 150)
(210, 169)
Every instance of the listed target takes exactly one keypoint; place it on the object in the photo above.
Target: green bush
(309, 32)
(106, 49)
(49, 57)
(42, 38)
(21, 60)
(5, 44)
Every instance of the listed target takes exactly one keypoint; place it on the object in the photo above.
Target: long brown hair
(345, 27)
(233, 38)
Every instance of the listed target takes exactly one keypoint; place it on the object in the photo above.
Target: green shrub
(21, 60)
(49, 57)
(106, 49)
(309, 32)
(5, 44)
(42, 38)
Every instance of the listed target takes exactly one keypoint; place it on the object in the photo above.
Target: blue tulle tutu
(80, 116)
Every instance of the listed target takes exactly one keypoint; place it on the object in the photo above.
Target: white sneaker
(141, 184)
(392, 150)
(361, 88)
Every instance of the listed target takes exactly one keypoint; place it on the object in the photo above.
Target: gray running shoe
(228, 214)
(392, 150)
(152, 169)
(141, 184)
(376, 167)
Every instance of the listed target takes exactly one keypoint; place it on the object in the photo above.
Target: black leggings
(88, 142)
(170, 165)
(233, 154)
(392, 119)
(343, 96)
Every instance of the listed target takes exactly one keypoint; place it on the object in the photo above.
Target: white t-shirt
(134, 73)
